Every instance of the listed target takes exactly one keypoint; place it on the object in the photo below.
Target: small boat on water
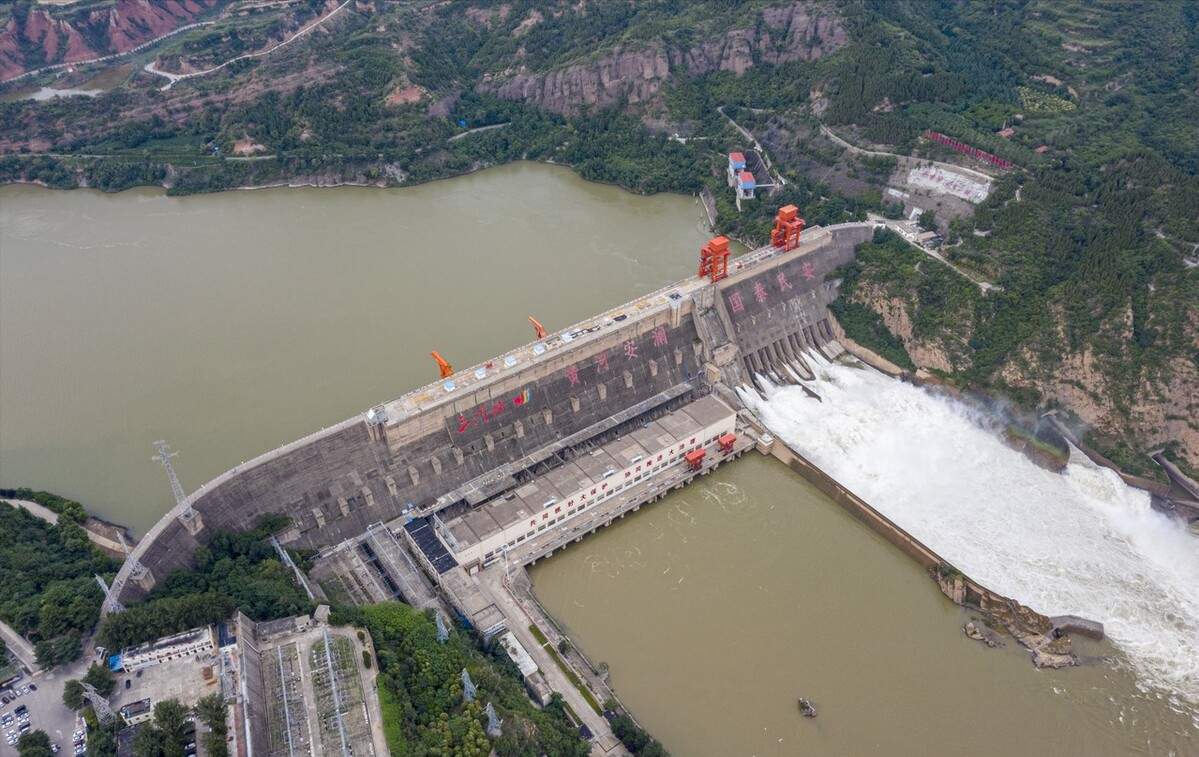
(806, 708)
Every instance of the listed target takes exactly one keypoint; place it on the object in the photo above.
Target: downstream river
(231, 323)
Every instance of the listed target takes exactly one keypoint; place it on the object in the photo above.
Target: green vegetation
(236, 571)
(101, 739)
(574, 679)
(212, 712)
(635, 739)
(570, 674)
(1043, 102)
(50, 596)
(97, 676)
(65, 508)
(421, 694)
(866, 327)
(537, 634)
(34, 744)
(943, 301)
(165, 734)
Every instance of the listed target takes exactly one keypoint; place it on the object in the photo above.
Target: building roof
(745, 177)
(557, 485)
(432, 548)
(518, 654)
(1009, 131)
(1042, 149)
(737, 157)
(708, 411)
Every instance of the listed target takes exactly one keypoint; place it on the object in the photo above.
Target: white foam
(1076, 543)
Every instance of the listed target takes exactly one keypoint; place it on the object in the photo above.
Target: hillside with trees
(50, 596)
(1089, 241)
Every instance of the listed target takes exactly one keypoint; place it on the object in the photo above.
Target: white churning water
(1079, 542)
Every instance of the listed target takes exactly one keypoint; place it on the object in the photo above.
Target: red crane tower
(714, 259)
(787, 226)
(447, 370)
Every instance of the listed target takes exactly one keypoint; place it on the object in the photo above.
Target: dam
(440, 496)
(438, 451)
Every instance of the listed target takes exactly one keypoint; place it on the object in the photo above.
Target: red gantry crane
(537, 327)
(787, 226)
(447, 370)
(714, 259)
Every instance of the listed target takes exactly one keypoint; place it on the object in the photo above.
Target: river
(232, 322)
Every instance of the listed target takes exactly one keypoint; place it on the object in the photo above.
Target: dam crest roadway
(443, 494)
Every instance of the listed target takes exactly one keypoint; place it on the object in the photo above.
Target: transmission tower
(468, 687)
(99, 704)
(493, 723)
(443, 633)
(286, 559)
(164, 456)
(136, 569)
(114, 604)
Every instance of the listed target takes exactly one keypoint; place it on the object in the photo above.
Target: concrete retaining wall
(855, 505)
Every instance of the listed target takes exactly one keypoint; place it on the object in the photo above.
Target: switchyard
(303, 691)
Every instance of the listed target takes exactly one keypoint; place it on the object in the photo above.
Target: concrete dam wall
(453, 444)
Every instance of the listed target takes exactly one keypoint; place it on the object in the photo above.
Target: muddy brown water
(231, 323)
(234, 322)
(719, 606)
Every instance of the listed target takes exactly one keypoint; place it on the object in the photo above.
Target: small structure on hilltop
(747, 173)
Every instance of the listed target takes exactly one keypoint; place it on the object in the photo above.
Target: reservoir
(231, 323)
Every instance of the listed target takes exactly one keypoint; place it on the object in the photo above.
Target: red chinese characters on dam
(487, 412)
(761, 293)
(629, 349)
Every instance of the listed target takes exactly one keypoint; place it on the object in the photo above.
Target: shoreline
(294, 182)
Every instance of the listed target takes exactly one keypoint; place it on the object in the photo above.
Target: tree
(212, 711)
(53, 652)
(72, 695)
(163, 736)
(34, 744)
(100, 679)
(928, 220)
(97, 676)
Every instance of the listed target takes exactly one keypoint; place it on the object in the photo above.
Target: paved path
(904, 230)
(44, 513)
(113, 56)
(777, 177)
(476, 130)
(605, 744)
(176, 77)
(947, 166)
(370, 693)
(19, 646)
(51, 517)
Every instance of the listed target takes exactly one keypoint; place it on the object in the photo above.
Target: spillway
(1080, 542)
